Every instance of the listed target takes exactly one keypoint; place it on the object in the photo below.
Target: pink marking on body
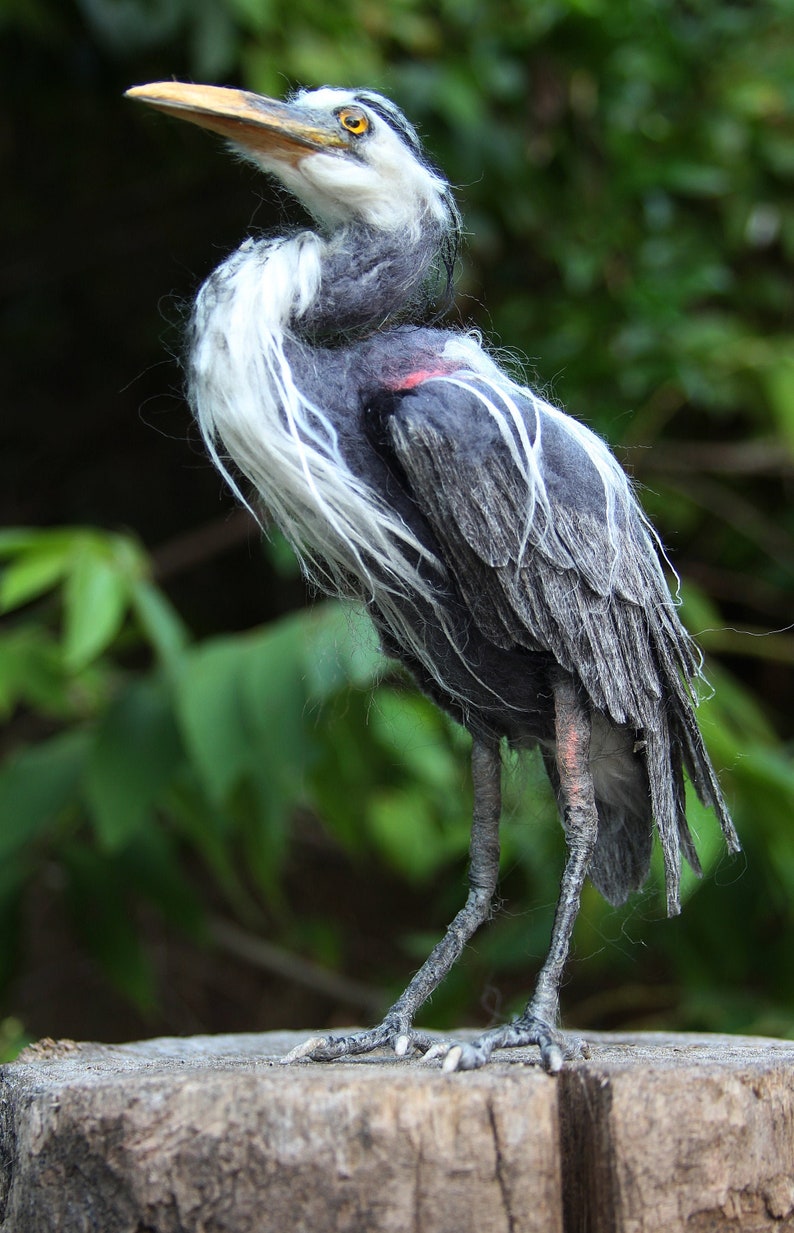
(412, 379)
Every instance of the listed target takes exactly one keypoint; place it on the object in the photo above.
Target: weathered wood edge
(652, 1131)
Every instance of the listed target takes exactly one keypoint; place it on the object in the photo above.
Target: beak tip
(140, 94)
(163, 93)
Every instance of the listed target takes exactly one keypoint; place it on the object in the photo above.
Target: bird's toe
(469, 1056)
(401, 1039)
(552, 1056)
(305, 1050)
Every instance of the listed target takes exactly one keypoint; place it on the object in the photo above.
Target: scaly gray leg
(538, 1023)
(397, 1029)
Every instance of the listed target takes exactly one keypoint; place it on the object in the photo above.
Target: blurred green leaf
(13, 1038)
(273, 698)
(134, 755)
(779, 380)
(160, 622)
(32, 575)
(208, 830)
(31, 671)
(404, 830)
(36, 786)
(411, 727)
(340, 647)
(17, 541)
(281, 554)
(258, 15)
(211, 715)
(96, 596)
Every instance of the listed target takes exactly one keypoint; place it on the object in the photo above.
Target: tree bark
(210, 1135)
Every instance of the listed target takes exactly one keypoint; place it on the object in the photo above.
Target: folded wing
(551, 551)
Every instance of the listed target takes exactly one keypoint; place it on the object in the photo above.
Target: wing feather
(541, 531)
(551, 552)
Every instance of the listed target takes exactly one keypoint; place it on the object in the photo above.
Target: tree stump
(210, 1135)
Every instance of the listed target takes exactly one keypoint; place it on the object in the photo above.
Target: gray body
(584, 596)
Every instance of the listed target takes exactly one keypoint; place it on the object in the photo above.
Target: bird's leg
(538, 1023)
(397, 1029)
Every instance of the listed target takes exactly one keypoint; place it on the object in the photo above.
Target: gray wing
(543, 535)
(539, 527)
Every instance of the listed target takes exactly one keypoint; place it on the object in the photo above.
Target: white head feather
(380, 180)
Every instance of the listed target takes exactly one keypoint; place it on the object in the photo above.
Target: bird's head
(349, 156)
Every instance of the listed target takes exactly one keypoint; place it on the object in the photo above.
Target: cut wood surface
(210, 1135)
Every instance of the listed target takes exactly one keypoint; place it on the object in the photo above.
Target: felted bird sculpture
(494, 540)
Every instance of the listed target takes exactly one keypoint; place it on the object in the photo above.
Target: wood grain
(211, 1135)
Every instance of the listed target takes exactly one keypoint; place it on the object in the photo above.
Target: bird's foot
(555, 1047)
(391, 1034)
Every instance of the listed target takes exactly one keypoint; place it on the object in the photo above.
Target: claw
(439, 1050)
(552, 1057)
(401, 1045)
(452, 1060)
(305, 1049)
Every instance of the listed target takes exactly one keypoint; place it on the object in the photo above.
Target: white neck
(246, 401)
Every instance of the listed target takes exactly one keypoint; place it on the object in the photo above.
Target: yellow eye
(354, 121)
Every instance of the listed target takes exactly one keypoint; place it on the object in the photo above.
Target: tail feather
(671, 747)
(675, 745)
(688, 849)
(666, 809)
(703, 776)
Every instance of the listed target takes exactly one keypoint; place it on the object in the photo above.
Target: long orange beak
(261, 125)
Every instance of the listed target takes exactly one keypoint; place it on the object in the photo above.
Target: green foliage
(213, 743)
(220, 744)
(626, 181)
(12, 1038)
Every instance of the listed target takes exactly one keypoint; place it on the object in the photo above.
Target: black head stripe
(396, 121)
(392, 116)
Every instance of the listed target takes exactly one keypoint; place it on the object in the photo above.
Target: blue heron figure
(495, 540)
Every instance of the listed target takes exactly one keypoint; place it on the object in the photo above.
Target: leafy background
(219, 809)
